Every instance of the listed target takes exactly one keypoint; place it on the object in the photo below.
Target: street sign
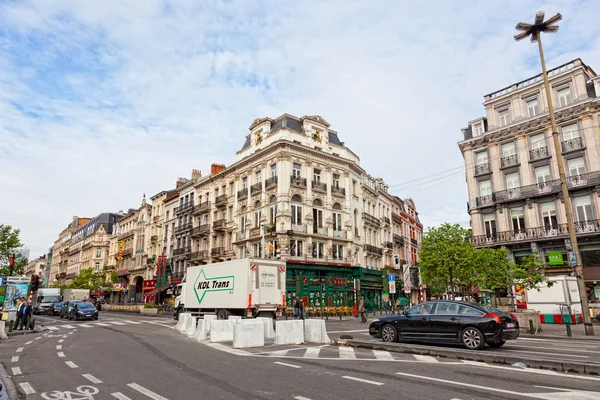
(572, 258)
(391, 278)
(406, 289)
(392, 287)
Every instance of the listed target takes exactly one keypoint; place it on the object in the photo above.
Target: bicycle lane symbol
(84, 392)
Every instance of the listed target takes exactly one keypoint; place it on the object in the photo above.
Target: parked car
(83, 310)
(445, 321)
(67, 306)
(96, 302)
(55, 309)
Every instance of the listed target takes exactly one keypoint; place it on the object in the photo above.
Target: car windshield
(86, 306)
(72, 303)
(57, 305)
(50, 299)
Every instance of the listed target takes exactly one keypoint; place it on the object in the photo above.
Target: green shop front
(327, 285)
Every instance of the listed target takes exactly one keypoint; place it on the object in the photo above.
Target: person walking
(296, 308)
(361, 309)
(20, 307)
(25, 317)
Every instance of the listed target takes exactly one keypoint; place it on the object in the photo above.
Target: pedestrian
(301, 308)
(361, 309)
(296, 308)
(20, 307)
(26, 313)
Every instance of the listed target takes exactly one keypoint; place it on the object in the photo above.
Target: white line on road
(20, 349)
(117, 323)
(120, 396)
(145, 391)
(362, 380)
(68, 326)
(531, 371)
(71, 364)
(59, 347)
(312, 352)
(61, 340)
(91, 378)
(61, 354)
(16, 371)
(85, 325)
(131, 322)
(37, 338)
(52, 328)
(31, 341)
(101, 324)
(27, 388)
(383, 355)
(287, 365)
(301, 398)
(15, 359)
(226, 349)
(428, 359)
(347, 352)
(279, 353)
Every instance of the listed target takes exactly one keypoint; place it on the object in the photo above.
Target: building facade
(515, 198)
(298, 194)
(34, 267)
(61, 250)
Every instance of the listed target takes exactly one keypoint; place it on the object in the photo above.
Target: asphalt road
(129, 357)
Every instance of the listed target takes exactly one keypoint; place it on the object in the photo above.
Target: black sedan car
(54, 309)
(83, 310)
(67, 306)
(441, 321)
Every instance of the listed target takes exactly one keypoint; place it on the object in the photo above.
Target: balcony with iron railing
(414, 242)
(338, 191)
(271, 182)
(221, 200)
(371, 219)
(242, 194)
(398, 239)
(182, 250)
(319, 186)
(485, 201)
(340, 234)
(373, 249)
(299, 228)
(127, 251)
(389, 245)
(298, 181)
(572, 145)
(199, 255)
(256, 188)
(202, 207)
(481, 169)
(126, 234)
(396, 218)
(540, 233)
(184, 227)
(241, 235)
(539, 154)
(219, 225)
(509, 161)
(185, 207)
(201, 230)
(386, 220)
(217, 252)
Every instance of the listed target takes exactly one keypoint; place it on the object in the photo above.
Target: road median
(498, 356)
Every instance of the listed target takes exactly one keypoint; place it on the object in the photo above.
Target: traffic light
(35, 283)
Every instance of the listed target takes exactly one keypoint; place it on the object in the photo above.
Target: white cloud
(103, 101)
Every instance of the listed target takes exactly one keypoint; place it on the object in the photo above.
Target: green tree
(446, 258)
(10, 244)
(88, 279)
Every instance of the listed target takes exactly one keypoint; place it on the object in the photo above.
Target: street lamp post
(534, 32)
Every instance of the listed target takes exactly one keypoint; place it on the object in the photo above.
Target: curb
(468, 355)
(566, 338)
(162, 316)
(8, 384)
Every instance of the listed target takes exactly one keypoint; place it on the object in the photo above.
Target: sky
(103, 101)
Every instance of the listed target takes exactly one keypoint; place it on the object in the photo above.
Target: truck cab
(46, 299)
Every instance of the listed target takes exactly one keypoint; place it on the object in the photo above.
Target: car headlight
(375, 320)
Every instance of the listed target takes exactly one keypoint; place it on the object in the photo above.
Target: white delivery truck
(557, 302)
(76, 294)
(46, 297)
(247, 288)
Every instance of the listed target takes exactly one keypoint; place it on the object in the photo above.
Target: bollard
(569, 329)
(10, 325)
(531, 331)
(33, 324)
(340, 315)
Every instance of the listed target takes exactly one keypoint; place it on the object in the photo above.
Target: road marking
(31, 341)
(52, 328)
(20, 349)
(347, 352)
(279, 353)
(61, 354)
(537, 352)
(101, 324)
(145, 391)
(428, 359)
(15, 359)
(287, 365)
(37, 338)
(16, 371)
(71, 364)
(383, 355)
(312, 352)
(117, 323)
(120, 396)
(131, 322)
(581, 349)
(59, 347)
(27, 388)
(68, 326)
(362, 380)
(61, 340)
(531, 371)
(85, 325)
(226, 349)
(91, 378)
(301, 398)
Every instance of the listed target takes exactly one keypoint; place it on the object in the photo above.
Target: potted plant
(149, 309)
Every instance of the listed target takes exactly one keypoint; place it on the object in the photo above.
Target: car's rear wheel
(497, 345)
(389, 333)
(472, 338)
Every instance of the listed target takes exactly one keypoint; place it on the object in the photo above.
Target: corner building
(515, 197)
(298, 194)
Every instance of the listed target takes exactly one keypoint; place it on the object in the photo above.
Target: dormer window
(563, 93)
(503, 116)
(533, 107)
(478, 129)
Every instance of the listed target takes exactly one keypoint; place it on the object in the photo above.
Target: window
(549, 215)
(272, 248)
(245, 182)
(243, 222)
(296, 210)
(538, 141)
(98, 253)
(421, 309)
(485, 188)
(576, 166)
(508, 149)
(336, 181)
(482, 158)
(273, 170)
(317, 175)
(533, 107)
(564, 96)
(542, 174)
(489, 224)
(296, 170)
(517, 219)
(583, 208)
(259, 177)
(257, 250)
(318, 250)
(444, 308)
(338, 252)
(257, 214)
(296, 248)
(504, 116)
(337, 217)
(97, 267)
(570, 132)
(317, 216)
(242, 250)
(272, 209)
(512, 180)
(464, 310)
(167, 215)
(478, 129)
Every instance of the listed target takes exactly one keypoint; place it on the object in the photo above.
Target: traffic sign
(391, 278)
(572, 258)
(406, 289)
(392, 287)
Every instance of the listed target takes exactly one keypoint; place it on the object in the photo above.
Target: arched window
(272, 209)
(337, 206)
(317, 216)
(296, 198)
(257, 205)
(317, 203)
(296, 210)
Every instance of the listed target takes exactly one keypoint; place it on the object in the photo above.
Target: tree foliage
(10, 244)
(88, 279)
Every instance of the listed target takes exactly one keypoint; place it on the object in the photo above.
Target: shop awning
(153, 292)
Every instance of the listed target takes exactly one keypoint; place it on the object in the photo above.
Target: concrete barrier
(289, 332)
(208, 318)
(3, 334)
(249, 334)
(269, 330)
(190, 326)
(182, 322)
(221, 330)
(234, 317)
(315, 331)
(201, 331)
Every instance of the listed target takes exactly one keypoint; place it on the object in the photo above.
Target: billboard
(14, 291)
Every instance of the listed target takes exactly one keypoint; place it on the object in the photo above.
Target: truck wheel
(177, 314)
(222, 314)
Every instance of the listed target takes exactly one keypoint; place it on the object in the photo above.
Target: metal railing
(256, 188)
(184, 227)
(242, 194)
(217, 251)
(202, 207)
(482, 169)
(508, 161)
(339, 191)
(199, 255)
(182, 250)
(219, 224)
(185, 207)
(272, 181)
(201, 230)
(319, 186)
(298, 181)
(371, 219)
(398, 239)
(539, 153)
(221, 200)
(373, 249)
(572, 144)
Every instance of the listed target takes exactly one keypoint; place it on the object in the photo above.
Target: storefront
(371, 287)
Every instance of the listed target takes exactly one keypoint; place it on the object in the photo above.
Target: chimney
(216, 168)
(196, 174)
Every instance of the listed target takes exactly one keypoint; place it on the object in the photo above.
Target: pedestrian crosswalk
(57, 325)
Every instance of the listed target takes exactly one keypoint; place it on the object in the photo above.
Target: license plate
(510, 325)
(88, 315)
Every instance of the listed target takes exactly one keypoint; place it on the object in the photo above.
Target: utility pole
(534, 32)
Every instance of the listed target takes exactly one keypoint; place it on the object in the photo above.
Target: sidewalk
(559, 331)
